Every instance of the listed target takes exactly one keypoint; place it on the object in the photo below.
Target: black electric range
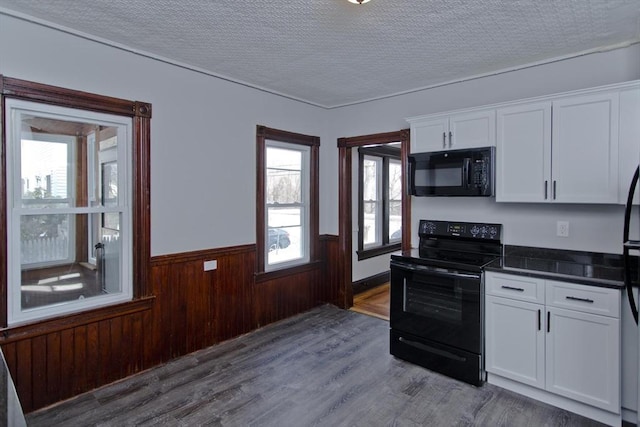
(436, 297)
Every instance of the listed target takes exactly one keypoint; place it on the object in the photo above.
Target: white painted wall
(202, 130)
(203, 139)
(592, 228)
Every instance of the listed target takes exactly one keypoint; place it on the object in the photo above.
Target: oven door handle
(429, 271)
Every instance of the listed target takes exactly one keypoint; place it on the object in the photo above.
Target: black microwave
(466, 172)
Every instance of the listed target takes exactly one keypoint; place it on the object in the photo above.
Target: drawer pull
(590, 301)
(511, 288)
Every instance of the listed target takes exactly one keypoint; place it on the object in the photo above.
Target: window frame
(263, 136)
(379, 200)
(140, 114)
(384, 244)
(303, 205)
(18, 108)
(71, 178)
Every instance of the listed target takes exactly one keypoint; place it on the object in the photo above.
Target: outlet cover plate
(562, 229)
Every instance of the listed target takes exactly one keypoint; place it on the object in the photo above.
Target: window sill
(377, 251)
(47, 326)
(276, 274)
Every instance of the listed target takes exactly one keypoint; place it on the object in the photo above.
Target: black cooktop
(455, 245)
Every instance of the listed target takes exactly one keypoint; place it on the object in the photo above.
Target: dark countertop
(588, 268)
(10, 410)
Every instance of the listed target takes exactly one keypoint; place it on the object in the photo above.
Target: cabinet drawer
(588, 299)
(521, 288)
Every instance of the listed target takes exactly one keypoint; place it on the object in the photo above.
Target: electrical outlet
(562, 229)
(210, 265)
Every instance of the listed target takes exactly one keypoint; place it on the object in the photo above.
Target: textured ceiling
(332, 52)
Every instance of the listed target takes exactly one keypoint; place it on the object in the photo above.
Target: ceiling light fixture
(359, 1)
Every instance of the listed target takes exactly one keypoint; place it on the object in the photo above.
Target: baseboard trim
(370, 282)
(562, 402)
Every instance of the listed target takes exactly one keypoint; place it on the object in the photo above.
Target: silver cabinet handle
(450, 139)
(554, 189)
(546, 187)
(444, 140)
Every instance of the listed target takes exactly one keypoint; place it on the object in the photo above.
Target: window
(287, 223)
(71, 207)
(70, 218)
(380, 201)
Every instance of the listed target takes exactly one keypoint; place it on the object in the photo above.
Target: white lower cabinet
(555, 341)
(583, 357)
(514, 342)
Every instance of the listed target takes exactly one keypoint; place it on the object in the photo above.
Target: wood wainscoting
(189, 309)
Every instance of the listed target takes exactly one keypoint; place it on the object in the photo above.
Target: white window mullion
(379, 199)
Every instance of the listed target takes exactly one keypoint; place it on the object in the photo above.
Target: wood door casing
(345, 190)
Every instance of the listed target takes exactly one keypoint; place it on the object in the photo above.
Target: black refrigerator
(632, 280)
(631, 266)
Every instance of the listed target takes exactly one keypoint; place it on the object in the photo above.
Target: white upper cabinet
(574, 147)
(562, 151)
(523, 153)
(629, 140)
(429, 135)
(584, 149)
(452, 132)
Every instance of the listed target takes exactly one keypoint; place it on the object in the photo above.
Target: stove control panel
(471, 230)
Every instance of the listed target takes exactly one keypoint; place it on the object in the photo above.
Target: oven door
(439, 305)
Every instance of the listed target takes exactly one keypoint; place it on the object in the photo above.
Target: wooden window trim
(140, 113)
(263, 134)
(385, 153)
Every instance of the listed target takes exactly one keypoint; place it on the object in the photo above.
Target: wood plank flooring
(325, 367)
(373, 302)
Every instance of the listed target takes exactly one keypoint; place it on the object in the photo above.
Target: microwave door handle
(466, 178)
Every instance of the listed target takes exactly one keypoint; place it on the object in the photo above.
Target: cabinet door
(583, 357)
(476, 129)
(629, 141)
(430, 135)
(585, 149)
(523, 154)
(514, 340)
